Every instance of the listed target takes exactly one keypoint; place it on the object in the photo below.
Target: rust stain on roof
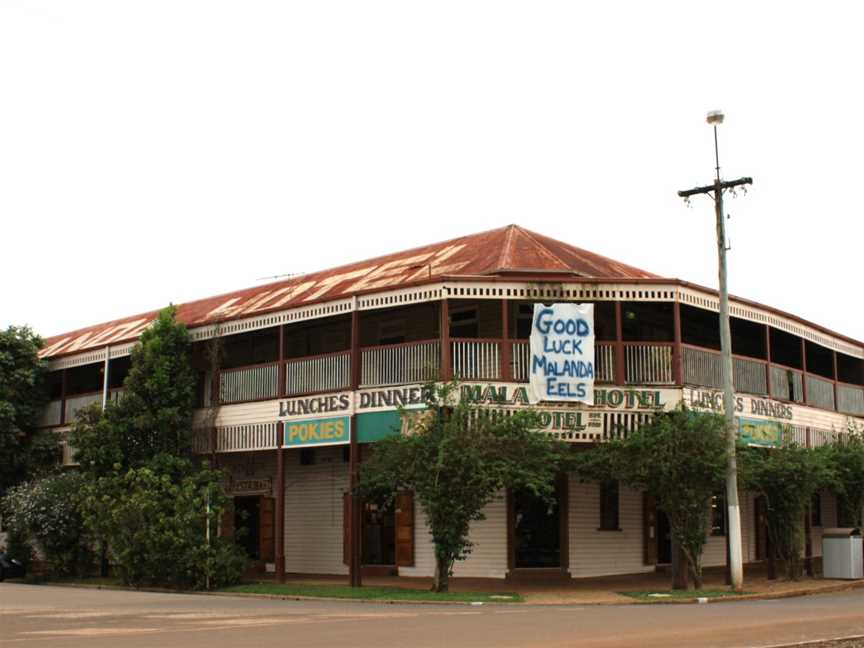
(504, 251)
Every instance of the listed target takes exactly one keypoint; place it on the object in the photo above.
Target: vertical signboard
(562, 353)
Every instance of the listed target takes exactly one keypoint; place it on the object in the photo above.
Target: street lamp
(736, 571)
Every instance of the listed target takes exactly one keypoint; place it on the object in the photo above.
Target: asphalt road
(59, 616)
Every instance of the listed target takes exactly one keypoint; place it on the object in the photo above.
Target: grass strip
(371, 593)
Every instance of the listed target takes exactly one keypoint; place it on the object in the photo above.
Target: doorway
(247, 525)
(664, 539)
(379, 534)
(536, 531)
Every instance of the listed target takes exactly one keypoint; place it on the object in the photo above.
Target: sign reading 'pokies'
(562, 353)
(325, 431)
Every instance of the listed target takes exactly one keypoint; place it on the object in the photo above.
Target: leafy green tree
(787, 477)
(679, 458)
(846, 460)
(160, 520)
(24, 452)
(457, 458)
(47, 511)
(155, 413)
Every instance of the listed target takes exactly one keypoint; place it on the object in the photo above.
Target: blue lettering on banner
(562, 353)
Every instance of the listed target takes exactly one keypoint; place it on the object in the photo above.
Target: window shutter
(405, 529)
(649, 530)
(268, 528)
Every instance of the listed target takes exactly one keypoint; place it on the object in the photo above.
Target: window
(609, 501)
(718, 515)
(816, 510)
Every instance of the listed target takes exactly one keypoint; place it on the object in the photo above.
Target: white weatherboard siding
(424, 548)
(604, 553)
(488, 558)
(313, 512)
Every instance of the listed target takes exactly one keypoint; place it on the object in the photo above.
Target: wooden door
(649, 530)
(760, 515)
(267, 529)
(226, 524)
(405, 529)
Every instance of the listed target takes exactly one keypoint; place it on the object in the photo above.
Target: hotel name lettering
(373, 399)
(713, 400)
(638, 399)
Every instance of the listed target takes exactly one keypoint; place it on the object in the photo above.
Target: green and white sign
(317, 432)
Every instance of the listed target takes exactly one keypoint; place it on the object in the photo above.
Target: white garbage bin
(842, 554)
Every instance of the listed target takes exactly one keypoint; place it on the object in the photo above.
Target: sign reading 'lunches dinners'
(562, 353)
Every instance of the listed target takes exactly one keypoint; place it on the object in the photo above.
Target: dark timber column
(446, 369)
(834, 358)
(63, 378)
(619, 345)
(768, 358)
(678, 349)
(280, 367)
(280, 503)
(354, 558)
(804, 369)
(506, 347)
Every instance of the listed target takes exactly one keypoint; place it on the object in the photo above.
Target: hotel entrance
(537, 537)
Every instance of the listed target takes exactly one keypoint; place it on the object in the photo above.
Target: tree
(47, 511)
(160, 520)
(846, 460)
(145, 498)
(457, 458)
(679, 458)
(24, 452)
(787, 477)
(155, 413)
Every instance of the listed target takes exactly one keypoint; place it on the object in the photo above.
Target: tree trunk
(442, 575)
(679, 568)
(103, 559)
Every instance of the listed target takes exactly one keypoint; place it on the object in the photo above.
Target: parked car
(10, 567)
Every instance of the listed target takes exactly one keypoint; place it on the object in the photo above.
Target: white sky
(167, 151)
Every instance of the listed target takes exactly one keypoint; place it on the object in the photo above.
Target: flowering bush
(46, 512)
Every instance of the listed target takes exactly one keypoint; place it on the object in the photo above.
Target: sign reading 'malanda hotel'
(562, 353)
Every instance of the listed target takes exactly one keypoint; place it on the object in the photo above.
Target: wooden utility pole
(733, 533)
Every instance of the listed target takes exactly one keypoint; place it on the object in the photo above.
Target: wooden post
(678, 349)
(446, 368)
(280, 367)
(808, 541)
(620, 376)
(834, 358)
(354, 508)
(804, 369)
(506, 346)
(768, 358)
(63, 386)
(280, 504)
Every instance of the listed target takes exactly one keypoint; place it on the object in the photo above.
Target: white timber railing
(749, 376)
(329, 372)
(648, 364)
(51, 414)
(236, 438)
(76, 403)
(399, 364)
(850, 399)
(820, 392)
(248, 383)
(787, 384)
(476, 359)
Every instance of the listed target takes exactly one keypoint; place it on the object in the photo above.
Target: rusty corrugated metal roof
(500, 252)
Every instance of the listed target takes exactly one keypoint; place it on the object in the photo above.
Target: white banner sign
(562, 353)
